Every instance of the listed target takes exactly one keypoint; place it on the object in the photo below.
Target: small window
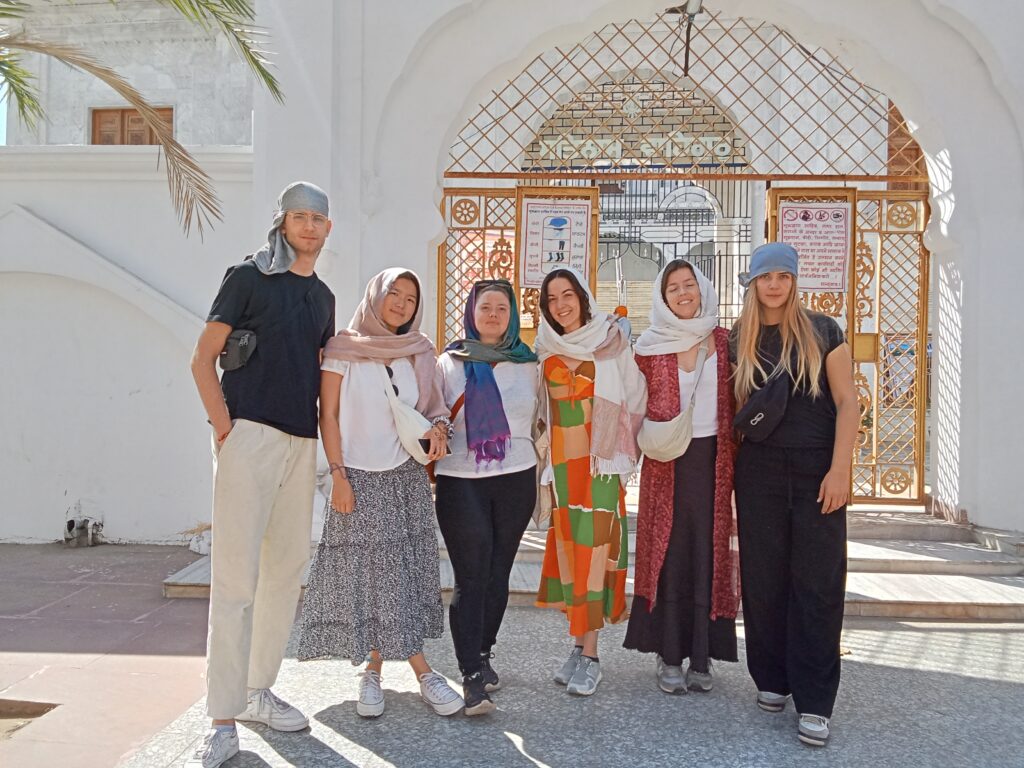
(126, 126)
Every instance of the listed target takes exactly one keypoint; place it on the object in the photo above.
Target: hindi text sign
(553, 233)
(822, 235)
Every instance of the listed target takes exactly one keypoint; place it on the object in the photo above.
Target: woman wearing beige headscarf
(374, 588)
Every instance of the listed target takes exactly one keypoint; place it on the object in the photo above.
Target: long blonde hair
(797, 333)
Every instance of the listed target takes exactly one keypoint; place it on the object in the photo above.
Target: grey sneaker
(586, 677)
(274, 712)
(670, 677)
(699, 681)
(218, 747)
(441, 697)
(771, 702)
(564, 675)
(371, 696)
(813, 730)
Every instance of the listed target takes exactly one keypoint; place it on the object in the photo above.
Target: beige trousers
(262, 514)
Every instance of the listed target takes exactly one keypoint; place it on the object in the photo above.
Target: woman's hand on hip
(343, 500)
(834, 491)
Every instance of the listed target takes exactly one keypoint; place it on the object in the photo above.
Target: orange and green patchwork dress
(587, 550)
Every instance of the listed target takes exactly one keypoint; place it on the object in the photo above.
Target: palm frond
(12, 9)
(19, 84)
(192, 192)
(234, 19)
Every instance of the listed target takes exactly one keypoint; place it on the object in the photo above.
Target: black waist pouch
(761, 414)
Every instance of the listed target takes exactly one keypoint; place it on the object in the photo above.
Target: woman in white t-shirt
(374, 587)
(487, 487)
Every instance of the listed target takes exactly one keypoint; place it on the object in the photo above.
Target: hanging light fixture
(689, 11)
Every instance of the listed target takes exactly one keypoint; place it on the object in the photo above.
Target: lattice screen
(755, 103)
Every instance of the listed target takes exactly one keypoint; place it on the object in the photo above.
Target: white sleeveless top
(705, 408)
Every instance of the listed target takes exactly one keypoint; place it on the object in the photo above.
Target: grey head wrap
(277, 255)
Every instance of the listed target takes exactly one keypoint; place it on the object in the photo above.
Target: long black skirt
(679, 627)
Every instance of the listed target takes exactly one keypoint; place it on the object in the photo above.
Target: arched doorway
(682, 158)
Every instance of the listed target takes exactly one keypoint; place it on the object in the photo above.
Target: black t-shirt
(292, 317)
(809, 422)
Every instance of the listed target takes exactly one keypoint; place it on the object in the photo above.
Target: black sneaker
(491, 681)
(475, 695)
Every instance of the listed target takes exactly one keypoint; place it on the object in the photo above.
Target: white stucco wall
(952, 66)
(101, 300)
(376, 93)
(171, 62)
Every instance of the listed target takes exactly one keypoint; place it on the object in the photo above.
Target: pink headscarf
(367, 339)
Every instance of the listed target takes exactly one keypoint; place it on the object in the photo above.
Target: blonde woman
(792, 486)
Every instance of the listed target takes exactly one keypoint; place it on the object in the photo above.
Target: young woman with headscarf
(487, 486)
(374, 588)
(595, 399)
(686, 587)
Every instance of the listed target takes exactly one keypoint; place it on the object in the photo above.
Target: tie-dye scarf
(487, 430)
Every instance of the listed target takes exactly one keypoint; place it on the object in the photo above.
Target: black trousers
(793, 567)
(482, 521)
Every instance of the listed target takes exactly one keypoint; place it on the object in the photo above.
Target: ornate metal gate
(756, 107)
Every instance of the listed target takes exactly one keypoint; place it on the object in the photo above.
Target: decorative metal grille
(890, 296)
(756, 103)
(480, 245)
(616, 110)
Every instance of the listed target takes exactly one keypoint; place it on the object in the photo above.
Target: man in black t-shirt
(264, 418)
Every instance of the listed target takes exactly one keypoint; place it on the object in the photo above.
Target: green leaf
(18, 83)
(233, 18)
(192, 192)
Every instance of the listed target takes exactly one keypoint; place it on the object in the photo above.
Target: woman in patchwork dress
(596, 398)
(374, 588)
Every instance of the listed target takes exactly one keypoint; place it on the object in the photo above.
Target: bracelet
(335, 467)
(222, 438)
(446, 426)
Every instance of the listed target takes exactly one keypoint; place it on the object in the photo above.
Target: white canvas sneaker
(218, 747)
(439, 695)
(371, 696)
(274, 712)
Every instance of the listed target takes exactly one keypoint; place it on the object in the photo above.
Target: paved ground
(919, 694)
(88, 630)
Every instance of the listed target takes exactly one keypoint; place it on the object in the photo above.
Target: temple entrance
(691, 147)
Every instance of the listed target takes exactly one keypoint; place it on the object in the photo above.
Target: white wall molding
(117, 163)
(55, 253)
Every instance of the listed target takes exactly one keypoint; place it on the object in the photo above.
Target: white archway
(906, 49)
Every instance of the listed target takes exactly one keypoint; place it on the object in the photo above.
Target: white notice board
(822, 233)
(553, 233)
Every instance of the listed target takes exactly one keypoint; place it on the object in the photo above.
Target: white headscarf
(669, 334)
(620, 390)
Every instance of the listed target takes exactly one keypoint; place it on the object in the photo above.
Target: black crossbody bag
(241, 343)
(761, 414)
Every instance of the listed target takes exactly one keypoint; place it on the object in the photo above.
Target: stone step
(894, 595)
(936, 557)
(899, 524)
